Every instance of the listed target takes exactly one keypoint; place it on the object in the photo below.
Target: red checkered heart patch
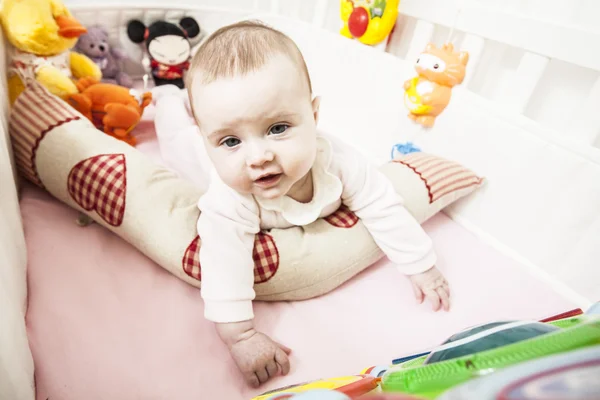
(342, 218)
(191, 259)
(265, 256)
(99, 184)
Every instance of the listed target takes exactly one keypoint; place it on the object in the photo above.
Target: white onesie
(229, 220)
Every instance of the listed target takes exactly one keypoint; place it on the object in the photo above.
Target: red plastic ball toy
(358, 21)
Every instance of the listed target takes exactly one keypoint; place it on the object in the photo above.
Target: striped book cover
(35, 113)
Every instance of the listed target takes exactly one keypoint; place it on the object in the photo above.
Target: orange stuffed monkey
(114, 109)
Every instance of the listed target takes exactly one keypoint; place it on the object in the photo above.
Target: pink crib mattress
(105, 322)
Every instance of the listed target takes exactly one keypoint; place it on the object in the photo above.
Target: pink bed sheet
(105, 322)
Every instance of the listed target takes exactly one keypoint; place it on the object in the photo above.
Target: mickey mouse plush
(168, 46)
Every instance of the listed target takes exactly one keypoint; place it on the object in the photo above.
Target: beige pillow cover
(120, 188)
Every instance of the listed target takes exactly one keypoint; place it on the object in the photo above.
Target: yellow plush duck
(42, 33)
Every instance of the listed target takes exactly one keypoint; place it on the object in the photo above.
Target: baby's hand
(432, 285)
(258, 357)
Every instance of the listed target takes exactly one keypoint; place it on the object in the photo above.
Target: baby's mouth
(268, 180)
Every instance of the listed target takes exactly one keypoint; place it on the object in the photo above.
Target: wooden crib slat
(529, 72)
(152, 15)
(522, 28)
(422, 35)
(275, 6)
(321, 8)
(174, 15)
(586, 122)
(295, 9)
(474, 45)
(441, 12)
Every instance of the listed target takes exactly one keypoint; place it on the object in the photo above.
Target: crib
(527, 117)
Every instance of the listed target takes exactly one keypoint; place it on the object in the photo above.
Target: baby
(251, 97)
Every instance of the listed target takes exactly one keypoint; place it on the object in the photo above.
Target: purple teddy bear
(94, 44)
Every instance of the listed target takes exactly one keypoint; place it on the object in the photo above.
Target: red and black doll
(168, 46)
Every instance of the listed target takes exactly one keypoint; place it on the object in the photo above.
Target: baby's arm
(227, 227)
(179, 140)
(372, 197)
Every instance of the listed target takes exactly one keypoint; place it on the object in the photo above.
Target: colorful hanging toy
(439, 70)
(368, 21)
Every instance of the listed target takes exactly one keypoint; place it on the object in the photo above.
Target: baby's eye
(278, 129)
(231, 142)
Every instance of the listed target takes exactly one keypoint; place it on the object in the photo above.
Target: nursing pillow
(120, 188)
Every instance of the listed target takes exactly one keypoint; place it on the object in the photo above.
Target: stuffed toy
(95, 45)
(168, 46)
(112, 108)
(41, 34)
(438, 71)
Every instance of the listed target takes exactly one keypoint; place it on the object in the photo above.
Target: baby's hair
(241, 48)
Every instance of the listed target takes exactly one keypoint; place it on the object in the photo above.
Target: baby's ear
(316, 103)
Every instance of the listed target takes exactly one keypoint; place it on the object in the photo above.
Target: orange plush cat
(114, 109)
(428, 94)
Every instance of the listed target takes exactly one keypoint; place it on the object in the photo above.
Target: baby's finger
(444, 298)
(446, 288)
(272, 369)
(282, 360)
(262, 375)
(252, 379)
(283, 347)
(418, 292)
(434, 298)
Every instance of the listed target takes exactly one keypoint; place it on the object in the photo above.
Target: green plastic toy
(484, 349)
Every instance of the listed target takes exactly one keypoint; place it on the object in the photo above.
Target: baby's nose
(259, 155)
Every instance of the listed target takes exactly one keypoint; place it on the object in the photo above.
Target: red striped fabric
(440, 176)
(35, 113)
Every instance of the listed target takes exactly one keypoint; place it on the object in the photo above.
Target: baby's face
(260, 128)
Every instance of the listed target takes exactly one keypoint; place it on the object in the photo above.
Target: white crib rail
(529, 57)
(541, 59)
(16, 361)
(535, 69)
(533, 75)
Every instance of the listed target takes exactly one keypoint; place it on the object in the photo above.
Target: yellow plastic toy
(42, 33)
(352, 385)
(368, 21)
